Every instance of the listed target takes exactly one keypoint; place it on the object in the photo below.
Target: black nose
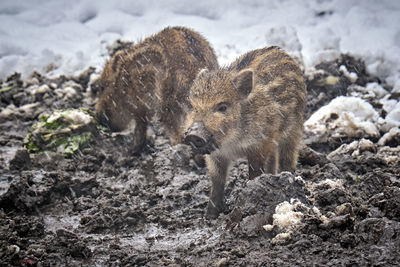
(195, 141)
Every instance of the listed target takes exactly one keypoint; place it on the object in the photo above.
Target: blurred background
(68, 36)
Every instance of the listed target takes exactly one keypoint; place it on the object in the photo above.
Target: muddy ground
(108, 207)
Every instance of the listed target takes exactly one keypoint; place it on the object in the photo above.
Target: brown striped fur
(153, 77)
(263, 94)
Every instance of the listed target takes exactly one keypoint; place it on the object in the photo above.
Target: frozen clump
(352, 76)
(36, 89)
(377, 89)
(392, 118)
(391, 138)
(355, 149)
(389, 155)
(286, 217)
(375, 94)
(344, 116)
(327, 184)
(281, 238)
(74, 116)
(372, 91)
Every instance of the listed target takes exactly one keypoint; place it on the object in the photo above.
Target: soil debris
(106, 206)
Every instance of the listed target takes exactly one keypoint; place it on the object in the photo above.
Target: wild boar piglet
(151, 78)
(253, 108)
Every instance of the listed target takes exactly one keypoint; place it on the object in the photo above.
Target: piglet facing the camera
(254, 108)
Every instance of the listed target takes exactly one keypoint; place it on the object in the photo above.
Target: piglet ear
(243, 82)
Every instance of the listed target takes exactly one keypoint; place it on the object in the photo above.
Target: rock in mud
(181, 155)
(256, 203)
(21, 160)
(308, 156)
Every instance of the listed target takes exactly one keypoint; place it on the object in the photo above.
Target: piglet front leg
(217, 167)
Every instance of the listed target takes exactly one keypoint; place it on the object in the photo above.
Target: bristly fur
(153, 77)
(265, 93)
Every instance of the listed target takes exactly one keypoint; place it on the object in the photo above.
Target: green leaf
(30, 145)
(44, 118)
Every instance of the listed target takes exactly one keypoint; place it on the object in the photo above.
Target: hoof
(213, 210)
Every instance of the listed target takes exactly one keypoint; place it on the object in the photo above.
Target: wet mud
(107, 207)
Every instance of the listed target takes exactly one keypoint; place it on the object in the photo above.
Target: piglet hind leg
(264, 160)
(139, 136)
(217, 167)
(288, 152)
(256, 165)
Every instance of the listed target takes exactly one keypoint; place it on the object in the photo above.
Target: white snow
(327, 183)
(387, 137)
(288, 218)
(372, 92)
(75, 116)
(352, 76)
(285, 217)
(67, 36)
(392, 118)
(355, 149)
(348, 115)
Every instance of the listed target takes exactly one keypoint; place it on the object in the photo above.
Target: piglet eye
(222, 107)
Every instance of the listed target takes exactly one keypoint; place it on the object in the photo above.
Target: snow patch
(288, 218)
(392, 118)
(285, 217)
(327, 183)
(36, 89)
(349, 75)
(389, 136)
(75, 116)
(389, 155)
(349, 116)
(370, 92)
(66, 37)
(355, 149)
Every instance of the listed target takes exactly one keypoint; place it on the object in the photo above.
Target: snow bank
(67, 36)
(344, 115)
